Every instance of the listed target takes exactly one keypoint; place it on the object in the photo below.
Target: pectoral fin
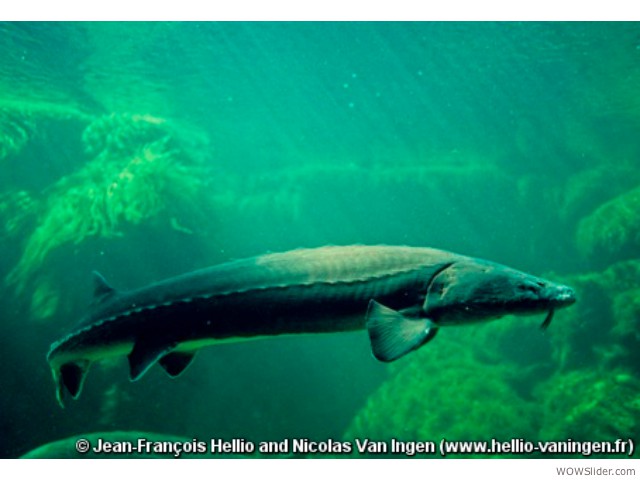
(145, 353)
(176, 362)
(393, 335)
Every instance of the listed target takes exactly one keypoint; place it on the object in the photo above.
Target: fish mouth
(561, 296)
(565, 296)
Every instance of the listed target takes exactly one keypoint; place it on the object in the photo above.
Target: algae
(22, 121)
(626, 308)
(612, 230)
(588, 189)
(601, 329)
(440, 392)
(591, 405)
(17, 207)
(138, 170)
(622, 284)
(15, 132)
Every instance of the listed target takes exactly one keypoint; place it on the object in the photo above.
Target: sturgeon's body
(401, 294)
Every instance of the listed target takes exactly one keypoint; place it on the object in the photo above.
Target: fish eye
(527, 287)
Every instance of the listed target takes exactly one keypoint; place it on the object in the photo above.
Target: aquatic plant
(591, 405)
(16, 207)
(613, 229)
(609, 304)
(138, 171)
(571, 332)
(622, 284)
(22, 121)
(594, 394)
(586, 190)
(441, 392)
(620, 277)
(120, 134)
(15, 132)
(626, 308)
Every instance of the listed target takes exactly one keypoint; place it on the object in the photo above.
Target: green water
(144, 150)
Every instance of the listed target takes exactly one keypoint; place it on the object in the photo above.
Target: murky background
(144, 150)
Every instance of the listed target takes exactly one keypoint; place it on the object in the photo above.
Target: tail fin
(70, 377)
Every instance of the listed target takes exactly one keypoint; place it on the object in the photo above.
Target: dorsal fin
(101, 290)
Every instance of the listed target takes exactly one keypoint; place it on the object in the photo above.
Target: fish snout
(561, 295)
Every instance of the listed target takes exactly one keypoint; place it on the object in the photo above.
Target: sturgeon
(401, 295)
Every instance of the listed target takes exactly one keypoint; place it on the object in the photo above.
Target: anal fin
(393, 335)
(145, 353)
(175, 363)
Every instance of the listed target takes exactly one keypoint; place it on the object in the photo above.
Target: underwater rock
(572, 336)
(441, 392)
(121, 134)
(620, 277)
(609, 304)
(591, 405)
(586, 190)
(626, 308)
(23, 121)
(622, 282)
(612, 231)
